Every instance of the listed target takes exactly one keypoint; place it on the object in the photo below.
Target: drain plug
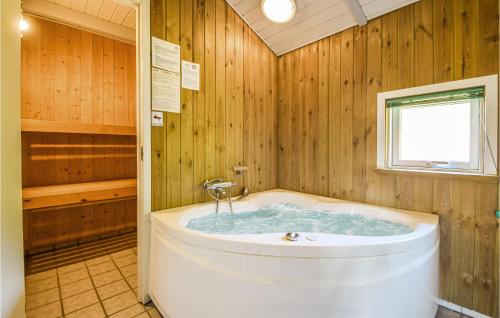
(291, 236)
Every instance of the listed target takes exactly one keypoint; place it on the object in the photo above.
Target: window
(444, 127)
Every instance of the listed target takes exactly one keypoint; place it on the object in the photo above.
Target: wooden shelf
(35, 125)
(78, 193)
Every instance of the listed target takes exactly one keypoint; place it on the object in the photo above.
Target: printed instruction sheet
(166, 87)
(190, 75)
(166, 55)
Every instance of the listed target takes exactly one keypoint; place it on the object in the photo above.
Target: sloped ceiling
(314, 19)
(109, 10)
(107, 17)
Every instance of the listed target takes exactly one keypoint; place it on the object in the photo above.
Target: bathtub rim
(426, 232)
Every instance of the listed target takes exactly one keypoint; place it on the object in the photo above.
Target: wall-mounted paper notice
(166, 87)
(166, 55)
(190, 75)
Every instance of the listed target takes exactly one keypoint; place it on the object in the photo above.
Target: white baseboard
(460, 309)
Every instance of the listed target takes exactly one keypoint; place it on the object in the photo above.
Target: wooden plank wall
(327, 127)
(74, 76)
(231, 121)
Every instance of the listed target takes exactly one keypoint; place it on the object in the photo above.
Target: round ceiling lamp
(279, 11)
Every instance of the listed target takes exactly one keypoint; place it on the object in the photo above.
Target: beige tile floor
(105, 286)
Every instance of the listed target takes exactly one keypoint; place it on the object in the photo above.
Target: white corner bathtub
(199, 275)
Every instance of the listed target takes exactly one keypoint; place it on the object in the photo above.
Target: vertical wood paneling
(405, 67)
(199, 132)
(119, 85)
(272, 122)
(389, 81)
(334, 111)
(74, 60)
(487, 38)
(321, 156)
(74, 76)
(462, 237)
(485, 294)
(173, 129)
(47, 73)
(359, 114)
(61, 72)
(443, 40)
(424, 35)
(427, 42)
(220, 88)
(259, 79)
(308, 92)
(248, 97)
(239, 112)
(86, 83)
(210, 100)
(231, 121)
(466, 20)
(158, 133)
(230, 129)
(374, 78)
(109, 81)
(346, 114)
(187, 172)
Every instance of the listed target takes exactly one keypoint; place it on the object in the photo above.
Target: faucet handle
(218, 184)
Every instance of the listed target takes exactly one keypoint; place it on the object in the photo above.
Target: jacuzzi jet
(291, 236)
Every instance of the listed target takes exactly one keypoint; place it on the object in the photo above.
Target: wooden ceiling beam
(357, 11)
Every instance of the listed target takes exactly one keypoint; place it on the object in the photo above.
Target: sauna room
(249, 158)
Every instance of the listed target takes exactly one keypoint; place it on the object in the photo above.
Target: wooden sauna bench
(79, 193)
(34, 125)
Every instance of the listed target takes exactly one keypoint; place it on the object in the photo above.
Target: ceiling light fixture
(279, 11)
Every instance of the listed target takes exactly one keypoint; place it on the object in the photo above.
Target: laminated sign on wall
(166, 55)
(190, 75)
(165, 76)
(166, 88)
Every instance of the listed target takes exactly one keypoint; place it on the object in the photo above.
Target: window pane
(436, 133)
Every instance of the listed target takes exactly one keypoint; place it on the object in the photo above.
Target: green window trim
(439, 97)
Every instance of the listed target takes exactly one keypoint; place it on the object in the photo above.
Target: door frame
(143, 120)
(143, 58)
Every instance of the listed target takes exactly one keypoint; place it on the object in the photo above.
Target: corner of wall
(11, 226)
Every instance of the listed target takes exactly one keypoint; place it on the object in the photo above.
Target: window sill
(443, 174)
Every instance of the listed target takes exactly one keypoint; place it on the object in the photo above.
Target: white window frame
(474, 165)
(486, 157)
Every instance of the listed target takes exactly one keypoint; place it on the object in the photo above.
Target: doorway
(83, 151)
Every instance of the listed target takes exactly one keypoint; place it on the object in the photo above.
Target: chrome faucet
(220, 188)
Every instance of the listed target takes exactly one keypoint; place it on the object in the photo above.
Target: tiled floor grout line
(60, 294)
(64, 273)
(44, 277)
(91, 280)
(95, 290)
(31, 309)
(128, 284)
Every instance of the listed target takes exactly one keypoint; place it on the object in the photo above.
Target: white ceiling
(107, 17)
(109, 10)
(314, 19)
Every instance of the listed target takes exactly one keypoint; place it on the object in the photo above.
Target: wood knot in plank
(468, 279)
